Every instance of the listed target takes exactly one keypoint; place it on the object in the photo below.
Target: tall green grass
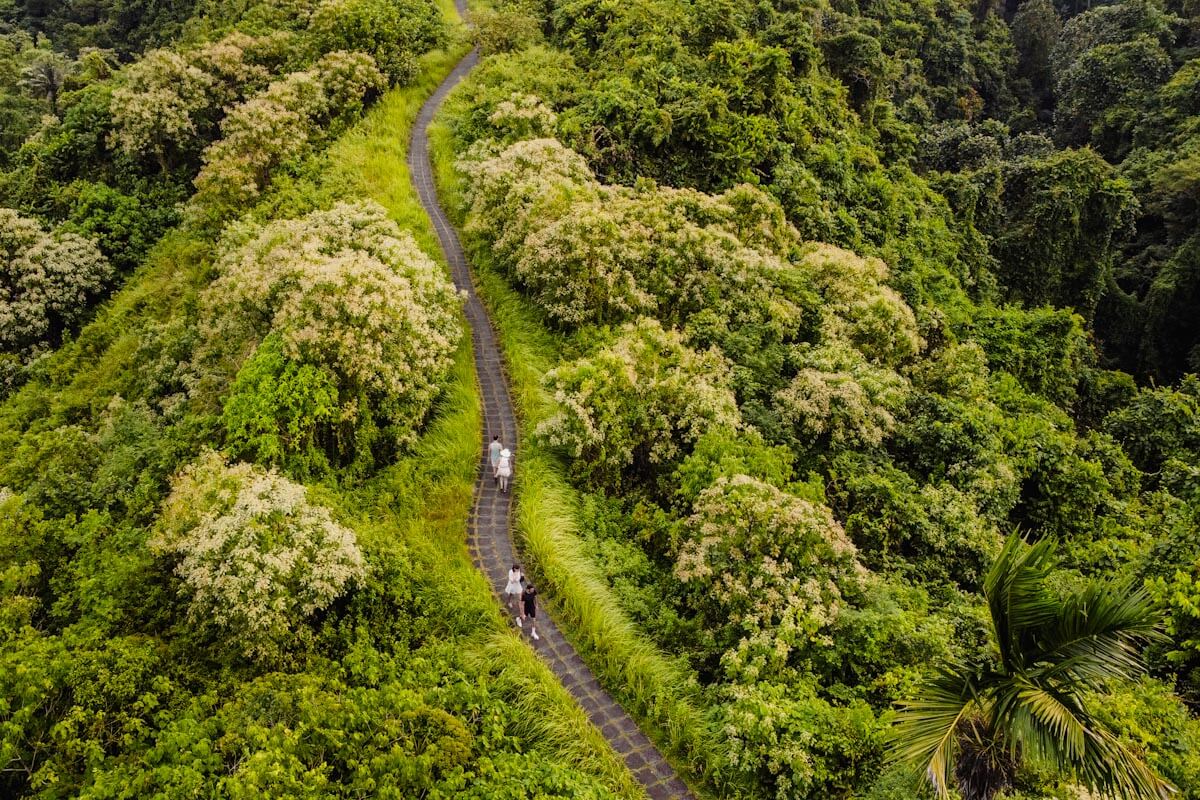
(656, 689)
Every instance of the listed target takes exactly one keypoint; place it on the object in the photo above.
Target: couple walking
(522, 598)
(501, 460)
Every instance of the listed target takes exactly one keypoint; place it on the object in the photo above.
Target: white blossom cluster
(256, 558)
(348, 290)
(47, 281)
(590, 253)
(643, 398)
(840, 395)
(279, 124)
(166, 99)
(772, 565)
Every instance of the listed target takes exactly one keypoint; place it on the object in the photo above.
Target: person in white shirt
(513, 590)
(504, 468)
(494, 456)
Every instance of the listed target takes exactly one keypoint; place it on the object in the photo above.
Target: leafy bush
(838, 400)
(255, 556)
(796, 745)
(366, 323)
(392, 33)
(280, 125)
(765, 572)
(48, 281)
(502, 31)
(636, 406)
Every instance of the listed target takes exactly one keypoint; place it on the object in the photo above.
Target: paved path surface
(490, 527)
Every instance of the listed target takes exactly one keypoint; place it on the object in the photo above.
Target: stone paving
(490, 531)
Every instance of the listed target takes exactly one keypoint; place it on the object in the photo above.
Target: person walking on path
(513, 589)
(504, 468)
(529, 610)
(494, 456)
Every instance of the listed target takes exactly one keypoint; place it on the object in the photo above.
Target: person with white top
(494, 456)
(504, 468)
(513, 589)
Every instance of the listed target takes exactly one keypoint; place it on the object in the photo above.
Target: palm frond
(1098, 635)
(1108, 769)
(1017, 597)
(1047, 725)
(926, 728)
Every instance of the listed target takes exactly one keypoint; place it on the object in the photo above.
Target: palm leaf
(925, 733)
(1108, 769)
(1098, 635)
(1019, 603)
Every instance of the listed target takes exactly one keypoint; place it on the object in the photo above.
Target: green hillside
(853, 345)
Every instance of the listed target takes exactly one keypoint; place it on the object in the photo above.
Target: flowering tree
(637, 405)
(765, 570)
(346, 291)
(839, 400)
(159, 105)
(392, 33)
(858, 307)
(255, 556)
(522, 116)
(47, 281)
(280, 124)
(523, 188)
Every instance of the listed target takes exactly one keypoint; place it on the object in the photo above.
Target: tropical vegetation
(852, 343)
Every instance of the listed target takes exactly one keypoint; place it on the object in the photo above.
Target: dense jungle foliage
(239, 423)
(839, 296)
(832, 297)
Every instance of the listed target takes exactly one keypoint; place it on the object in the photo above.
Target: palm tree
(973, 726)
(45, 74)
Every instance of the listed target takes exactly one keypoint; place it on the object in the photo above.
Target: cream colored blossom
(839, 397)
(255, 556)
(344, 288)
(768, 567)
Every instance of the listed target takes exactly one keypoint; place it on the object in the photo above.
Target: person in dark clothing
(529, 607)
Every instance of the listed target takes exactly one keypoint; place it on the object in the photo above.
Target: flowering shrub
(392, 33)
(47, 281)
(504, 31)
(838, 399)
(796, 744)
(637, 405)
(589, 253)
(256, 557)
(525, 187)
(858, 307)
(168, 103)
(522, 116)
(348, 293)
(585, 266)
(765, 570)
(156, 109)
(281, 123)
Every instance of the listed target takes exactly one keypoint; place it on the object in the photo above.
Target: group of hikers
(522, 596)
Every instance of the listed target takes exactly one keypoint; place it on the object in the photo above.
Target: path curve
(490, 529)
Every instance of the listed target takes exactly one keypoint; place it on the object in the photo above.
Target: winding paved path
(490, 525)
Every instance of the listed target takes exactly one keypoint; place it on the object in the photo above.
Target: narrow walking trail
(490, 524)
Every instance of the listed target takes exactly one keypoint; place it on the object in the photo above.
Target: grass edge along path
(644, 680)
